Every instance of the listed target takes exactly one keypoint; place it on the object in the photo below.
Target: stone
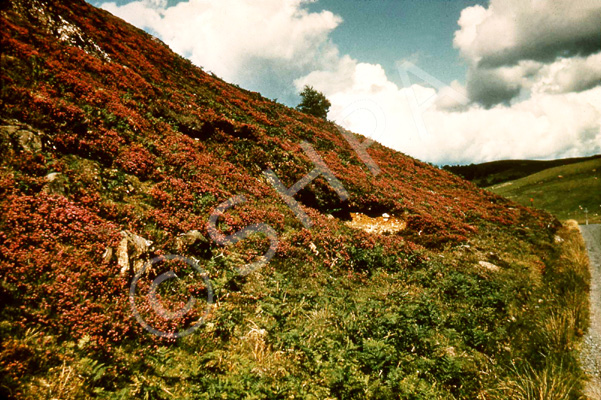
(489, 266)
(23, 137)
(122, 255)
(107, 255)
(378, 225)
(28, 141)
(132, 252)
(56, 184)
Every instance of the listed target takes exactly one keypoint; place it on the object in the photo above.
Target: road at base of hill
(591, 352)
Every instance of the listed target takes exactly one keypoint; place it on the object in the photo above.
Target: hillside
(565, 191)
(117, 154)
(496, 172)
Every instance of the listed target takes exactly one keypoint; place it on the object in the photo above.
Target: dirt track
(591, 353)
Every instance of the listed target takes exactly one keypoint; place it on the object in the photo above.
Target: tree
(314, 103)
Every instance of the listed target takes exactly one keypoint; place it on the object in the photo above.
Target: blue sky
(499, 79)
(386, 31)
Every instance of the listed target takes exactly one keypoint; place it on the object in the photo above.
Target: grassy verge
(549, 369)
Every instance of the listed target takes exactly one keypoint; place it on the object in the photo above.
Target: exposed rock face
(43, 13)
(379, 225)
(23, 137)
(133, 252)
(28, 141)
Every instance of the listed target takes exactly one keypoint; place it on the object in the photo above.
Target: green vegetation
(422, 326)
(565, 191)
(314, 103)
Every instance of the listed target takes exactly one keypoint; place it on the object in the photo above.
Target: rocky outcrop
(44, 14)
(28, 140)
(21, 137)
(133, 251)
(385, 224)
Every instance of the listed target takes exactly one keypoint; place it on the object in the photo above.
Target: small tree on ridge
(314, 103)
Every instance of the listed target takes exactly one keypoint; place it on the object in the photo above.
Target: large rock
(133, 252)
(23, 137)
(29, 141)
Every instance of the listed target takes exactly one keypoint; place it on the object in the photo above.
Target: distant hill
(566, 191)
(495, 172)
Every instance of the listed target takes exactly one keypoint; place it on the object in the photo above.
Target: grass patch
(564, 191)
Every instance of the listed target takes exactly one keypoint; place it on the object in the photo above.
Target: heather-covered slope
(111, 141)
(132, 104)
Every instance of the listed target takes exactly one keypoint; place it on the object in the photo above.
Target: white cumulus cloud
(512, 30)
(259, 44)
(546, 125)
(511, 43)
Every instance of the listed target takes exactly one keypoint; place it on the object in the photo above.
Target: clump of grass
(61, 382)
(552, 382)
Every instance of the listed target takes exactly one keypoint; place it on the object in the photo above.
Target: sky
(445, 81)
